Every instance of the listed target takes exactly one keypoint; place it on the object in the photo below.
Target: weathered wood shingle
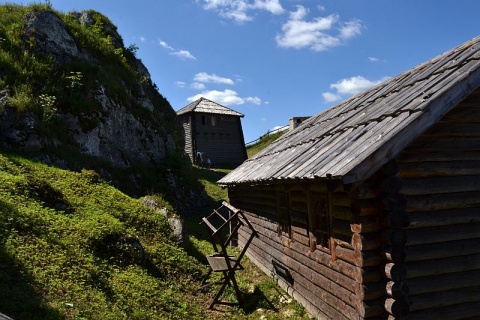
(203, 105)
(356, 137)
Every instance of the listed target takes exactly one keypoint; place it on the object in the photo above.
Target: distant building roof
(206, 106)
(353, 139)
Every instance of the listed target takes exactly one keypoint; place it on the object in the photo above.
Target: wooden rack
(221, 261)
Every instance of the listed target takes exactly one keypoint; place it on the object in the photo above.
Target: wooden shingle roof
(353, 139)
(204, 105)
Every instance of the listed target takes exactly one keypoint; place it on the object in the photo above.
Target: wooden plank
(454, 264)
(430, 169)
(438, 218)
(473, 155)
(440, 250)
(427, 186)
(443, 282)
(443, 234)
(445, 298)
(469, 310)
(443, 201)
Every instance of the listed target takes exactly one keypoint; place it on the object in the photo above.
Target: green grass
(75, 247)
(264, 142)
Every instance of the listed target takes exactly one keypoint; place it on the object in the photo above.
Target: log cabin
(214, 130)
(371, 209)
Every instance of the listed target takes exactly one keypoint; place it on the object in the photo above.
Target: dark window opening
(283, 214)
(321, 220)
(203, 120)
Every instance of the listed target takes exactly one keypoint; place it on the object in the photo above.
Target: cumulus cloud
(211, 78)
(254, 100)
(240, 10)
(319, 34)
(225, 97)
(349, 86)
(183, 54)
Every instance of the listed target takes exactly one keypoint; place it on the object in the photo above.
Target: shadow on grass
(19, 299)
(255, 300)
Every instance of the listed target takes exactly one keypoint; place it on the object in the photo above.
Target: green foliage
(74, 80)
(74, 247)
(30, 75)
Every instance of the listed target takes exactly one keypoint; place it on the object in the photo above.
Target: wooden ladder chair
(221, 261)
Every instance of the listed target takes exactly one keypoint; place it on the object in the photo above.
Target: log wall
(332, 282)
(189, 148)
(222, 142)
(440, 194)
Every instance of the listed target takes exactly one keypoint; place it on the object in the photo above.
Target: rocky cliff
(81, 90)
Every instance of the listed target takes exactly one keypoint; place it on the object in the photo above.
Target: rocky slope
(104, 103)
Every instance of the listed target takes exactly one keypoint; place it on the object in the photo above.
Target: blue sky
(275, 59)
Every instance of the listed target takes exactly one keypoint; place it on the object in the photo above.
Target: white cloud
(279, 128)
(183, 54)
(349, 86)
(373, 59)
(239, 10)
(180, 84)
(197, 86)
(254, 100)
(226, 97)
(165, 45)
(272, 6)
(330, 97)
(319, 34)
(211, 78)
(350, 29)
(142, 39)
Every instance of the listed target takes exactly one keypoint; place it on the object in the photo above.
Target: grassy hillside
(264, 142)
(74, 247)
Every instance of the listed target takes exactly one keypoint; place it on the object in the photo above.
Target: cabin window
(321, 219)
(203, 120)
(214, 121)
(283, 214)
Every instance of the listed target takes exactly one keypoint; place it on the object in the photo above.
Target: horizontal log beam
(397, 289)
(366, 241)
(438, 169)
(395, 272)
(455, 264)
(416, 156)
(440, 185)
(441, 250)
(443, 234)
(445, 298)
(443, 201)
(440, 218)
(397, 307)
(443, 282)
